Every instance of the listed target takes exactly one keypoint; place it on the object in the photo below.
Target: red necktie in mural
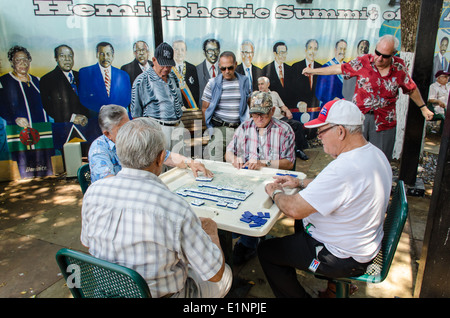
(213, 71)
(310, 77)
(280, 72)
(107, 81)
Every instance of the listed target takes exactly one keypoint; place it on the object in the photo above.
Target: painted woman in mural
(29, 132)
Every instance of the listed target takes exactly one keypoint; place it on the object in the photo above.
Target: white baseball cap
(338, 112)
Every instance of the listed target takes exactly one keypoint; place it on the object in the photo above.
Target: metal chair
(90, 277)
(84, 177)
(378, 270)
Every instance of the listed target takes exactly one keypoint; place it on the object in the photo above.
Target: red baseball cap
(339, 112)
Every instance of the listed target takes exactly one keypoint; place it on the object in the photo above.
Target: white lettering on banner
(193, 10)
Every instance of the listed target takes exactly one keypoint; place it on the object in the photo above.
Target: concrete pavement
(40, 216)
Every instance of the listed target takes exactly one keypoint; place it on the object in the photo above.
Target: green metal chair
(90, 277)
(84, 177)
(378, 270)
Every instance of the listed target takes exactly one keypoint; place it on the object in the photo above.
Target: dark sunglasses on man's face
(224, 68)
(385, 56)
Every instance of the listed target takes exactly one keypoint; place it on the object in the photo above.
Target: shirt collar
(139, 174)
(111, 144)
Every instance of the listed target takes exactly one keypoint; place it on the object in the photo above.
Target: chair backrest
(396, 216)
(90, 277)
(84, 177)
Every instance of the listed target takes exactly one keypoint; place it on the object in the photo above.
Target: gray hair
(265, 79)
(139, 41)
(110, 116)
(353, 129)
(139, 142)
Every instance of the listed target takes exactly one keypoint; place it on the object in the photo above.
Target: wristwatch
(274, 193)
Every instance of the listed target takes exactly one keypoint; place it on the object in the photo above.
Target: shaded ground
(40, 216)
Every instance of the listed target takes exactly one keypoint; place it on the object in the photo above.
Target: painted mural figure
(141, 61)
(21, 108)
(247, 67)
(103, 84)
(59, 89)
(59, 94)
(209, 68)
(305, 87)
(187, 71)
(280, 74)
(330, 87)
(440, 62)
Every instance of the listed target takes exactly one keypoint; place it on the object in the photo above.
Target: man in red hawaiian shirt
(379, 76)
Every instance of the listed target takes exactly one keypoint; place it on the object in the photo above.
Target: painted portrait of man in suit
(247, 67)
(440, 62)
(59, 89)
(103, 84)
(280, 74)
(141, 61)
(186, 70)
(305, 86)
(209, 68)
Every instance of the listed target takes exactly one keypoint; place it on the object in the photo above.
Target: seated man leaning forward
(341, 211)
(262, 140)
(134, 220)
(103, 160)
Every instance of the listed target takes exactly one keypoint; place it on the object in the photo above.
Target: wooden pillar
(429, 17)
(157, 22)
(433, 277)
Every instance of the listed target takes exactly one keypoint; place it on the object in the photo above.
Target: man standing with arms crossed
(379, 76)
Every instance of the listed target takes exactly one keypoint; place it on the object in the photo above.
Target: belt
(370, 112)
(219, 123)
(168, 123)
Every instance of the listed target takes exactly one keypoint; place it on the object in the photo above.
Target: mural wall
(53, 54)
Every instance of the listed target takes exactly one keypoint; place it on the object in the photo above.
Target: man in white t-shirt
(340, 213)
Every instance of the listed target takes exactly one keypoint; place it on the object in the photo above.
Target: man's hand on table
(199, 167)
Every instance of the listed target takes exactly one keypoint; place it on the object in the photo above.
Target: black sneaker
(300, 154)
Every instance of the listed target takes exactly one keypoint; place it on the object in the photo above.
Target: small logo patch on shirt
(314, 265)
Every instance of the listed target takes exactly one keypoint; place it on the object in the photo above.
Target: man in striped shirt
(261, 141)
(225, 104)
(134, 220)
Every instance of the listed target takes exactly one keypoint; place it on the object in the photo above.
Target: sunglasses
(385, 56)
(224, 68)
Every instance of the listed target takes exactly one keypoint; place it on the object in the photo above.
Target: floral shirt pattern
(377, 93)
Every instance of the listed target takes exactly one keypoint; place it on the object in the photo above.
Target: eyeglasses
(325, 130)
(385, 56)
(247, 53)
(224, 68)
